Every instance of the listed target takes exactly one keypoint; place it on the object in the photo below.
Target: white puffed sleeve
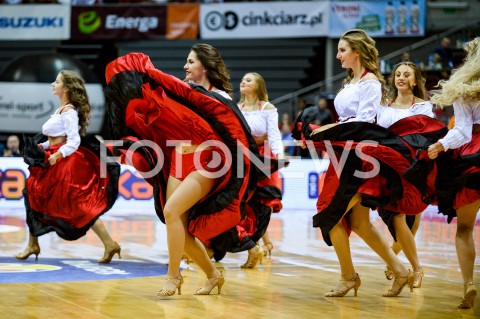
(461, 133)
(273, 132)
(386, 116)
(70, 121)
(45, 145)
(370, 96)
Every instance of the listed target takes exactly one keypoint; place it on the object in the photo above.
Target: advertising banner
(118, 22)
(182, 21)
(301, 184)
(25, 107)
(253, 20)
(35, 22)
(393, 18)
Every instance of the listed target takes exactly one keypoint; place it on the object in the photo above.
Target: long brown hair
(216, 70)
(418, 90)
(360, 42)
(77, 95)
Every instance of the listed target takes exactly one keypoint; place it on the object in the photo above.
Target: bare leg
(396, 247)
(33, 248)
(111, 246)
(464, 242)
(360, 222)
(406, 241)
(341, 244)
(99, 228)
(267, 243)
(181, 196)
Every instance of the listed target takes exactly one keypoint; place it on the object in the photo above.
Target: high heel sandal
(212, 282)
(253, 257)
(267, 249)
(408, 280)
(389, 273)
(342, 292)
(418, 278)
(170, 292)
(108, 255)
(30, 250)
(468, 297)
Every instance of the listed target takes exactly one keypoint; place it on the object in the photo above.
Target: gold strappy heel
(418, 278)
(389, 273)
(253, 258)
(346, 283)
(408, 280)
(29, 250)
(212, 283)
(468, 297)
(108, 255)
(267, 249)
(177, 282)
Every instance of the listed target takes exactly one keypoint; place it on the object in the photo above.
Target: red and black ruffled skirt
(69, 196)
(458, 181)
(380, 149)
(266, 199)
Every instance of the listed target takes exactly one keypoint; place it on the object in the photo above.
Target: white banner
(24, 107)
(264, 20)
(35, 22)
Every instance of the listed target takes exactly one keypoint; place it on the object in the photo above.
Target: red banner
(119, 23)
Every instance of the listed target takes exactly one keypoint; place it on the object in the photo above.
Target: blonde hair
(464, 81)
(77, 95)
(418, 90)
(260, 91)
(360, 42)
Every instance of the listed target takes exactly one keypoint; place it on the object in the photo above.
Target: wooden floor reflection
(290, 284)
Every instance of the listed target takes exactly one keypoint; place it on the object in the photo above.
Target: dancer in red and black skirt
(409, 106)
(351, 184)
(199, 193)
(65, 192)
(205, 67)
(262, 117)
(458, 182)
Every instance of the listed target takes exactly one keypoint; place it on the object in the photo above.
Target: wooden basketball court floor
(290, 284)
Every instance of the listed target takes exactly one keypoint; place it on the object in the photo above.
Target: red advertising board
(118, 22)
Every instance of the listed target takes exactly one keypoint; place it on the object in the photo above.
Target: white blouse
(266, 122)
(65, 124)
(359, 102)
(386, 116)
(466, 114)
(223, 93)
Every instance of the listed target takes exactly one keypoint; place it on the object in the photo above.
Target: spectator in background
(324, 115)
(12, 147)
(435, 62)
(302, 104)
(405, 57)
(286, 127)
(445, 52)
